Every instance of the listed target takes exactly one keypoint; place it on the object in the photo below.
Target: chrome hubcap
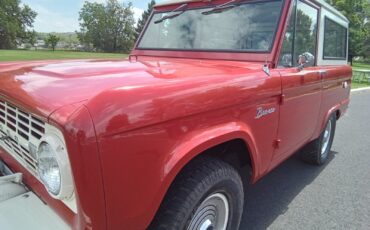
(326, 139)
(212, 214)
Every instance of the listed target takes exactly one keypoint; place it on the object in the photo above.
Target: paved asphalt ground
(333, 196)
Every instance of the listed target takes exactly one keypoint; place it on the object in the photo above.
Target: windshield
(248, 27)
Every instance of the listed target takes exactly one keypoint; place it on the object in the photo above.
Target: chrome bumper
(21, 208)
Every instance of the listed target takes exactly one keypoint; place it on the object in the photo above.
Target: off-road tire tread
(188, 188)
(311, 152)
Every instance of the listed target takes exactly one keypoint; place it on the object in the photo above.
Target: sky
(62, 15)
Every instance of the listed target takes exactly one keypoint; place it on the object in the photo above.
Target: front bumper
(21, 208)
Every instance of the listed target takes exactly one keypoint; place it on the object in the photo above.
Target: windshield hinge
(132, 58)
(266, 69)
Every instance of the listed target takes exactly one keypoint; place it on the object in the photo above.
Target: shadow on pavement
(271, 196)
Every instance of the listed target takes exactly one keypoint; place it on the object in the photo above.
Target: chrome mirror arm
(305, 58)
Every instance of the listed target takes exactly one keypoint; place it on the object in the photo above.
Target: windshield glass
(246, 27)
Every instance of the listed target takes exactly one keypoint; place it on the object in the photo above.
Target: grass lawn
(28, 55)
(356, 85)
(357, 65)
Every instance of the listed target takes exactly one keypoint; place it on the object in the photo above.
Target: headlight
(54, 167)
(48, 169)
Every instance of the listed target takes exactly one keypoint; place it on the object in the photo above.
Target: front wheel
(207, 195)
(317, 152)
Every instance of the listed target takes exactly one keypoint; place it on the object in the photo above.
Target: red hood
(45, 86)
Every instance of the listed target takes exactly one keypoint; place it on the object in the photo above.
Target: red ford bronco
(214, 93)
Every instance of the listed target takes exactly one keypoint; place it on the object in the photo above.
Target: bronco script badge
(263, 112)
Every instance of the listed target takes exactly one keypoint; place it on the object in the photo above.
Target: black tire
(312, 153)
(199, 180)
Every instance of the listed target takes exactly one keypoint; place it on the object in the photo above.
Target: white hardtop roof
(320, 2)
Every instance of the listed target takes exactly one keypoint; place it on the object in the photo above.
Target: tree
(32, 38)
(358, 13)
(52, 41)
(144, 18)
(366, 47)
(15, 23)
(107, 27)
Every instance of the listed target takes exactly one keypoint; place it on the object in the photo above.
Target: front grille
(21, 133)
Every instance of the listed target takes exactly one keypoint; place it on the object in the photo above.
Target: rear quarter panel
(335, 97)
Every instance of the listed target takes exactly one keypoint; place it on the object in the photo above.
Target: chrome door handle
(323, 72)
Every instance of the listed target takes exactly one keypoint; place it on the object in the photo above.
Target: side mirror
(306, 59)
(286, 60)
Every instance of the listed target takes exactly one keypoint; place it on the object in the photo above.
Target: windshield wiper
(221, 8)
(182, 8)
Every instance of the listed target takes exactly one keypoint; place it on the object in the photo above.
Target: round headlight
(48, 168)
(53, 166)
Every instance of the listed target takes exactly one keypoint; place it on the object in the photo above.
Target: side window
(301, 35)
(286, 54)
(335, 40)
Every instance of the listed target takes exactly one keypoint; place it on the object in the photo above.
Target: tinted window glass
(335, 40)
(301, 34)
(247, 27)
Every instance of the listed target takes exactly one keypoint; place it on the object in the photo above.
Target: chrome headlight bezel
(54, 138)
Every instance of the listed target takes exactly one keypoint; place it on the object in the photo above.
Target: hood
(45, 86)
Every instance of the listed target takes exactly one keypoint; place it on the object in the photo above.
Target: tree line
(104, 27)
(15, 23)
(110, 26)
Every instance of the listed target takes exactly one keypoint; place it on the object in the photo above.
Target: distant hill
(68, 40)
(68, 37)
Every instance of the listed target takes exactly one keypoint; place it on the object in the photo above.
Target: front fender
(140, 166)
(202, 140)
(79, 133)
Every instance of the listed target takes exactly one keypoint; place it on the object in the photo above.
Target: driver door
(301, 88)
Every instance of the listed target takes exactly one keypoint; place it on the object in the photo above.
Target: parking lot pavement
(334, 196)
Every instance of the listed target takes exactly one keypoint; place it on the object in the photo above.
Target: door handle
(323, 72)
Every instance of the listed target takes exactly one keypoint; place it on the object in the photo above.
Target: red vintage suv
(214, 94)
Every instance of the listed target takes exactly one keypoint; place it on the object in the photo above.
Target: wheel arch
(334, 110)
(209, 141)
(205, 142)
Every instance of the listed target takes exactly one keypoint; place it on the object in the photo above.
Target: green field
(28, 55)
(361, 65)
(356, 85)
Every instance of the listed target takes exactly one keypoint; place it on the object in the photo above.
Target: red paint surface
(131, 126)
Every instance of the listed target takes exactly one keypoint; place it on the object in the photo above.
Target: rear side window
(335, 40)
